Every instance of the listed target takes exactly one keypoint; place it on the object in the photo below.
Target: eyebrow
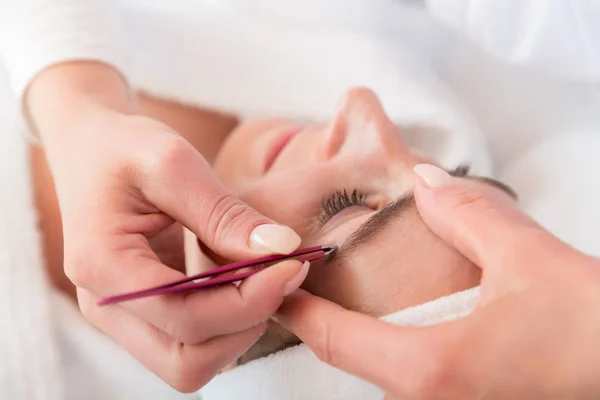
(382, 218)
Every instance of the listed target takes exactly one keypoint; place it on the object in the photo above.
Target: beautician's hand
(126, 184)
(535, 333)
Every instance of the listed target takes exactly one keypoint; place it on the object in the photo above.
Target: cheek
(238, 159)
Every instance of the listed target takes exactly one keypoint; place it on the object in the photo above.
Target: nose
(361, 126)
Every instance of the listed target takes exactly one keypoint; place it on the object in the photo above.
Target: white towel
(297, 374)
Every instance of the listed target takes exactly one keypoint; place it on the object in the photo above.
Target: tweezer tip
(328, 250)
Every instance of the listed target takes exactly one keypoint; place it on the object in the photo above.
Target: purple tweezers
(179, 285)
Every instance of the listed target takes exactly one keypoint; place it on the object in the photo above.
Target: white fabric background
(543, 135)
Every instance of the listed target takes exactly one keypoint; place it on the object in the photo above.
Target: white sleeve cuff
(36, 34)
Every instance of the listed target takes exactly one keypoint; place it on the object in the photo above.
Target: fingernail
(271, 238)
(433, 176)
(296, 281)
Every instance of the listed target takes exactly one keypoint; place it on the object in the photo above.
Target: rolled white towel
(297, 374)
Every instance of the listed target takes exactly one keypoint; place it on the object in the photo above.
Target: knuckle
(167, 152)
(322, 346)
(183, 331)
(439, 372)
(182, 380)
(226, 217)
(518, 244)
(183, 325)
(184, 383)
(78, 269)
(468, 201)
(85, 261)
(432, 379)
(518, 247)
(527, 238)
(182, 374)
(86, 307)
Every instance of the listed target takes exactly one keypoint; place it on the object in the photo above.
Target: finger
(400, 360)
(181, 183)
(168, 247)
(185, 367)
(197, 316)
(480, 221)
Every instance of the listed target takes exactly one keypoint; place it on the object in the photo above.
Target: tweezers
(179, 286)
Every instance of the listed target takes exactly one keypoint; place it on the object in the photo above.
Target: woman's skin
(533, 335)
(523, 341)
(186, 120)
(404, 264)
(126, 184)
(370, 156)
(360, 149)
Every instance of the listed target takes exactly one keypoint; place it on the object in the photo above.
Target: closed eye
(338, 202)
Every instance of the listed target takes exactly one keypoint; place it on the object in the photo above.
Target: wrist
(60, 98)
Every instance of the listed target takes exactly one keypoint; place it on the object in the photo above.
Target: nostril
(334, 137)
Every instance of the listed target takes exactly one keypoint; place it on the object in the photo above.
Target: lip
(278, 143)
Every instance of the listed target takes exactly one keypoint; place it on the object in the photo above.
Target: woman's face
(326, 182)
(287, 171)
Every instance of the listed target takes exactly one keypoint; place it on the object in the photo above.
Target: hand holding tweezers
(188, 284)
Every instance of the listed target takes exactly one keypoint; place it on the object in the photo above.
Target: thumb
(183, 186)
(400, 359)
(476, 218)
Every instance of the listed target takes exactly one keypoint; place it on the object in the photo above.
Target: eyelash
(338, 202)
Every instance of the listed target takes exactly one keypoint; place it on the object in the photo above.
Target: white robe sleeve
(557, 36)
(36, 34)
